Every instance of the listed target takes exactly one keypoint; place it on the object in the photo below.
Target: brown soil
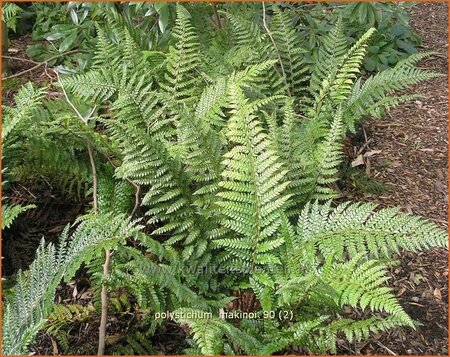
(412, 164)
(19, 63)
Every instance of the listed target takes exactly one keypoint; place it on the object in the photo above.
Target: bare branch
(39, 64)
(276, 49)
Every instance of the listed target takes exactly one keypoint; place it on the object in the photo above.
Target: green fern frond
(208, 332)
(107, 51)
(252, 196)
(358, 228)
(334, 47)
(11, 212)
(337, 86)
(212, 102)
(203, 147)
(227, 151)
(10, 14)
(181, 79)
(114, 195)
(373, 96)
(97, 86)
(328, 157)
(292, 56)
(361, 283)
(62, 318)
(27, 99)
(246, 34)
(294, 147)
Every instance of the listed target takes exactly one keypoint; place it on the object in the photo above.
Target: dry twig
(38, 64)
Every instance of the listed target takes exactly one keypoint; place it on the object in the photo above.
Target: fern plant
(237, 167)
(27, 100)
(11, 14)
(32, 298)
(63, 318)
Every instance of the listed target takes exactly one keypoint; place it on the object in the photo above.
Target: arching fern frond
(26, 100)
(374, 95)
(32, 298)
(358, 228)
(361, 283)
(11, 212)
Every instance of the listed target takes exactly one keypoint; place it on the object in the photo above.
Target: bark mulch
(410, 158)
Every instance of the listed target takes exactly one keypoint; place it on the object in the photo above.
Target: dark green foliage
(393, 40)
(63, 319)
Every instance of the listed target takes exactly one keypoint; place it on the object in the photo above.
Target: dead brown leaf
(437, 294)
(358, 161)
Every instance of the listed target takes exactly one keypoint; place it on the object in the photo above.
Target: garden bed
(409, 154)
(413, 163)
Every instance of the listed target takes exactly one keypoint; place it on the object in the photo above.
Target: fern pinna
(237, 163)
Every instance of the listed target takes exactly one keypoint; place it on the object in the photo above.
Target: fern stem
(276, 49)
(40, 64)
(104, 292)
(137, 196)
(104, 310)
(219, 24)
